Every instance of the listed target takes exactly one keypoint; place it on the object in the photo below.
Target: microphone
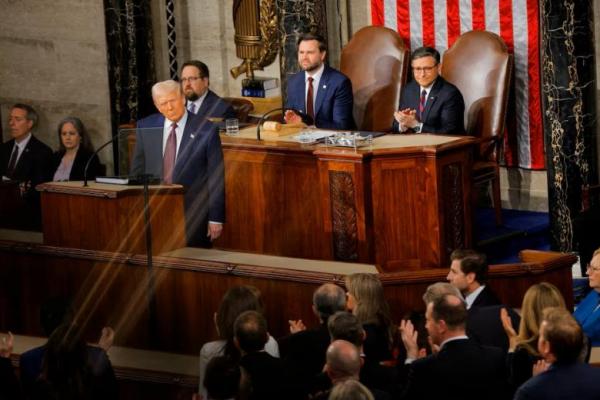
(307, 119)
(85, 170)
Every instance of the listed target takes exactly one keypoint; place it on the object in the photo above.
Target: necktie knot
(192, 108)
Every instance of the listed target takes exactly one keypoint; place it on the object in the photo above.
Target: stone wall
(54, 58)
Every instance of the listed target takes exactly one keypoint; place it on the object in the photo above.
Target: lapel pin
(192, 136)
(324, 86)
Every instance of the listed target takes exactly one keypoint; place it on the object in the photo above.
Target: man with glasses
(587, 312)
(200, 99)
(429, 103)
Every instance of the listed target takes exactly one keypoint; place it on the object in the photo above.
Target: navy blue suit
(444, 111)
(563, 381)
(214, 106)
(199, 168)
(334, 102)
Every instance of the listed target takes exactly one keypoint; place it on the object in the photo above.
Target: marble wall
(53, 56)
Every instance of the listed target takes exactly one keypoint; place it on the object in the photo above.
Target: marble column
(131, 71)
(568, 90)
(297, 17)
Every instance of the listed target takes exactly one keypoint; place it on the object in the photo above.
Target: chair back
(479, 65)
(376, 61)
(242, 107)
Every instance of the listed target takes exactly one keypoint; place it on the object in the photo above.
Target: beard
(311, 67)
(191, 95)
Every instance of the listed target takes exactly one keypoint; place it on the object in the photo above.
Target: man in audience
(468, 273)
(461, 368)
(588, 312)
(319, 91)
(222, 380)
(304, 350)
(9, 384)
(267, 374)
(429, 103)
(183, 148)
(25, 159)
(200, 99)
(562, 376)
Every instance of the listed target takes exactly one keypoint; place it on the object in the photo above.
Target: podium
(111, 217)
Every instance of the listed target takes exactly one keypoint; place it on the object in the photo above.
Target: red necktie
(422, 102)
(309, 99)
(169, 156)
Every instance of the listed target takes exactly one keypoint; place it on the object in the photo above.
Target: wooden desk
(402, 203)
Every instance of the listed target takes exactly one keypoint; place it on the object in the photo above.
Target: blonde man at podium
(183, 148)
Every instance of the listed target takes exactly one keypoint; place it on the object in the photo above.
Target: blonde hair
(350, 390)
(163, 87)
(537, 298)
(371, 306)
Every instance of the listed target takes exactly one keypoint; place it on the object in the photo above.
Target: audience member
(10, 388)
(429, 103)
(235, 301)
(462, 368)
(200, 99)
(222, 379)
(183, 148)
(350, 390)
(319, 91)
(523, 351)
(561, 375)
(343, 363)
(267, 374)
(365, 299)
(468, 272)
(74, 152)
(304, 350)
(587, 312)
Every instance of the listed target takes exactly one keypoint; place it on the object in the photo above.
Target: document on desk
(313, 135)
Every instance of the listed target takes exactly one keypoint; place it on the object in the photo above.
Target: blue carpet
(521, 230)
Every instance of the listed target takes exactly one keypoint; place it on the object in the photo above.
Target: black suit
(566, 381)
(81, 158)
(444, 110)
(462, 369)
(214, 106)
(486, 298)
(485, 327)
(268, 377)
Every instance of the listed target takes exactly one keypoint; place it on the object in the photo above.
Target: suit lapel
(206, 106)
(431, 98)
(24, 160)
(321, 90)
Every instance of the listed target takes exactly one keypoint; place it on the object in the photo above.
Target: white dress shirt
(178, 133)
(316, 80)
(470, 298)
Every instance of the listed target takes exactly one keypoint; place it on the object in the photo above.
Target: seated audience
(429, 103)
(523, 352)
(350, 390)
(367, 302)
(9, 384)
(461, 368)
(235, 301)
(468, 273)
(75, 150)
(561, 375)
(587, 312)
(304, 350)
(267, 374)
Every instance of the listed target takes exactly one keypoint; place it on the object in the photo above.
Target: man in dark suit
(319, 91)
(461, 369)
(562, 376)
(429, 103)
(468, 273)
(183, 148)
(202, 101)
(26, 159)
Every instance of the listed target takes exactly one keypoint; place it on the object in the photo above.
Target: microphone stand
(307, 119)
(85, 170)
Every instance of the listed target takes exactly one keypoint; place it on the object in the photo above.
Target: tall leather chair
(242, 107)
(479, 65)
(376, 61)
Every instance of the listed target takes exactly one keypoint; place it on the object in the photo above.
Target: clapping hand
(6, 345)
(296, 326)
(409, 337)
(508, 328)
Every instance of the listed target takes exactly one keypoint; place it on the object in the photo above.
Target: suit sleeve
(342, 107)
(216, 178)
(139, 161)
(452, 115)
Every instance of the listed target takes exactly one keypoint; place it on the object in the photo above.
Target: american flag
(438, 23)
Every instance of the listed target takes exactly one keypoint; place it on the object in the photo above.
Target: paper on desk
(313, 135)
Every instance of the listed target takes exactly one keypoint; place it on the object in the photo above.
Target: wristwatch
(417, 129)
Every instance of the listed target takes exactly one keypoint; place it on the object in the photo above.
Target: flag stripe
(535, 106)
(492, 18)
(441, 27)
(428, 23)
(403, 20)
(478, 12)
(377, 12)
(466, 22)
(416, 25)
(453, 21)
(389, 14)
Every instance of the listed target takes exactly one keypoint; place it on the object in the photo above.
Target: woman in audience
(523, 353)
(365, 299)
(237, 300)
(587, 312)
(350, 390)
(74, 151)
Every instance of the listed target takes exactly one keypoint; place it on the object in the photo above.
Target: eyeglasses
(590, 267)
(191, 79)
(423, 69)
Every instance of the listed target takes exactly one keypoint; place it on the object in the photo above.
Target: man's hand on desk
(291, 117)
(214, 230)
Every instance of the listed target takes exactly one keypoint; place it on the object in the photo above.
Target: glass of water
(232, 127)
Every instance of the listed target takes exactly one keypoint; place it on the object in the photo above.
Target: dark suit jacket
(462, 369)
(81, 158)
(444, 111)
(334, 103)
(268, 376)
(9, 384)
(485, 327)
(563, 381)
(486, 298)
(214, 106)
(33, 165)
(199, 168)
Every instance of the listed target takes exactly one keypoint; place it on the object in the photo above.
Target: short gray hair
(329, 299)
(439, 289)
(167, 86)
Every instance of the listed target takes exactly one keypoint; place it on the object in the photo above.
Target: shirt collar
(460, 337)
(317, 75)
(428, 88)
(23, 143)
(198, 101)
(180, 123)
(470, 298)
